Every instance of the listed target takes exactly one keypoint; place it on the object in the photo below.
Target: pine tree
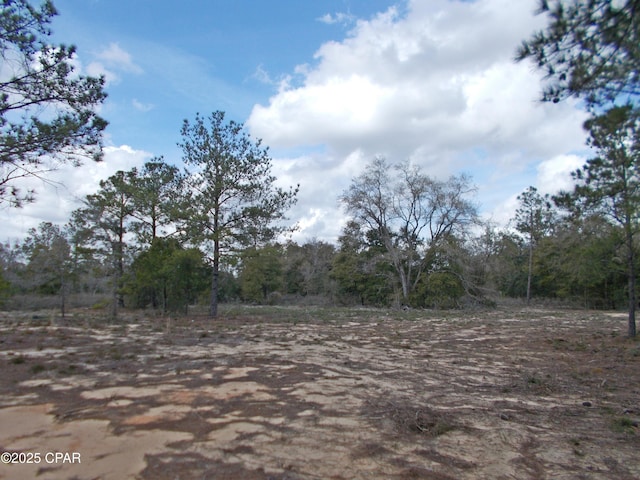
(47, 112)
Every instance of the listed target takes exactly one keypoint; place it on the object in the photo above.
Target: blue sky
(326, 85)
(197, 55)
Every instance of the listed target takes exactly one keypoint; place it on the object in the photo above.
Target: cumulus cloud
(322, 178)
(436, 84)
(554, 174)
(65, 188)
(441, 78)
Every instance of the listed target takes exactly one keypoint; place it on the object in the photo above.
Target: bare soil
(304, 393)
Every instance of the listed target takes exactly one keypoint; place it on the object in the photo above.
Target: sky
(327, 85)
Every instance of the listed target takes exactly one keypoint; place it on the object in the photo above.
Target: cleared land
(294, 393)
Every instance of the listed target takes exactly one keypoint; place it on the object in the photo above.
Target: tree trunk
(120, 274)
(405, 285)
(63, 288)
(530, 274)
(116, 279)
(114, 303)
(632, 283)
(632, 305)
(63, 297)
(213, 306)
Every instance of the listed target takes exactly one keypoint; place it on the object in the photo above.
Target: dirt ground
(310, 393)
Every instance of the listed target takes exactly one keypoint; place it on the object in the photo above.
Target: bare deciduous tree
(409, 212)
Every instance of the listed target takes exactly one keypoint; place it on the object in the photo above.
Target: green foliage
(534, 218)
(443, 286)
(360, 270)
(188, 278)
(158, 199)
(129, 211)
(586, 255)
(496, 261)
(624, 425)
(236, 203)
(49, 263)
(440, 290)
(590, 49)
(229, 289)
(101, 226)
(261, 273)
(146, 282)
(307, 268)
(5, 289)
(362, 279)
(609, 183)
(582, 262)
(167, 277)
(408, 213)
(47, 111)
(12, 268)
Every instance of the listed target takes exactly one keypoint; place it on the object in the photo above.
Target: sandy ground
(321, 394)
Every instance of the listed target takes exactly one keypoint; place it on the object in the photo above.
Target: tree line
(160, 237)
(163, 238)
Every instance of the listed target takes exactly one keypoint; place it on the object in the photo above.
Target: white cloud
(97, 69)
(262, 76)
(111, 61)
(440, 79)
(114, 56)
(554, 174)
(338, 17)
(143, 107)
(64, 190)
(501, 215)
(437, 85)
(322, 180)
